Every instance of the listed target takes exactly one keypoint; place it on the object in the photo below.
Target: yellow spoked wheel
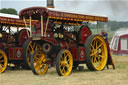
(64, 63)
(28, 48)
(3, 61)
(96, 53)
(39, 63)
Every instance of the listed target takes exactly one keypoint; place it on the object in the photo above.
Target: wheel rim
(40, 63)
(3, 61)
(65, 63)
(98, 53)
(32, 46)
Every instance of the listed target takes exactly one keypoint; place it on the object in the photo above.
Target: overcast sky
(114, 9)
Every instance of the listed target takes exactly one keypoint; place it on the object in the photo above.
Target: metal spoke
(37, 46)
(100, 45)
(65, 58)
(92, 48)
(1, 61)
(101, 56)
(29, 50)
(95, 59)
(92, 59)
(1, 57)
(65, 55)
(92, 54)
(34, 45)
(40, 55)
(37, 67)
(67, 66)
(68, 60)
(31, 46)
(98, 58)
(1, 65)
(28, 59)
(36, 59)
(61, 62)
(63, 70)
(61, 58)
(96, 44)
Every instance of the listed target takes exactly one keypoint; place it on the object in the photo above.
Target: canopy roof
(36, 12)
(121, 32)
(11, 20)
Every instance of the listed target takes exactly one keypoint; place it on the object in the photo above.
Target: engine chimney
(50, 3)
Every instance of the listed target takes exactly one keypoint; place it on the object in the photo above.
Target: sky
(116, 10)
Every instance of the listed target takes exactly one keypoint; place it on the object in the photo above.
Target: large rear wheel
(28, 48)
(96, 53)
(64, 63)
(3, 61)
(39, 63)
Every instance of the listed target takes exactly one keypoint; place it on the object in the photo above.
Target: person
(110, 60)
(105, 35)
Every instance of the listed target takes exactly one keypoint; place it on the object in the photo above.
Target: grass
(119, 76)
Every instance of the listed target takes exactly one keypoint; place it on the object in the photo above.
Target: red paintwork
(11, 21)
(38, 30)
(18, 53)
(1, 46)
(78, 53)
(73, 41)
(58, 14)
(13, 53)
(82, 54)
(51, 40)
(13, 42)
(74, 52)
(23, 36)
(84, 33)
(119, 51)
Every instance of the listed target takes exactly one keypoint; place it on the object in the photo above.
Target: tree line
(111, 25)
(8, 11)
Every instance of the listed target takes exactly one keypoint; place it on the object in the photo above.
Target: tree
(8, 11)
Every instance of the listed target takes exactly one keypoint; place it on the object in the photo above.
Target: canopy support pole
(25, 27)
(42, 30)
(97, 27)
(30, 18)
(46, 26)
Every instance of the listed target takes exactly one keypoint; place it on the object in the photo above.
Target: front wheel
(64, 63)
(39, 63)
(3, 61)
(28, 48)
(96, 53)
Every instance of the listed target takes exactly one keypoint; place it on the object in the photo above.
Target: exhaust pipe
(50, 3)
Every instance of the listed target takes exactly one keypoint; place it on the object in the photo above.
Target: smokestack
(50, 3)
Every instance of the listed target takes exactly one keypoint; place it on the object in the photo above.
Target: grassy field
(84, 77)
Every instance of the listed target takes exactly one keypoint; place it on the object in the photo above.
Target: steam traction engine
(64, 40)
(12, 36)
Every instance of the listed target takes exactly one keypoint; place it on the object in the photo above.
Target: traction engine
(12, 37)
(63, 40)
